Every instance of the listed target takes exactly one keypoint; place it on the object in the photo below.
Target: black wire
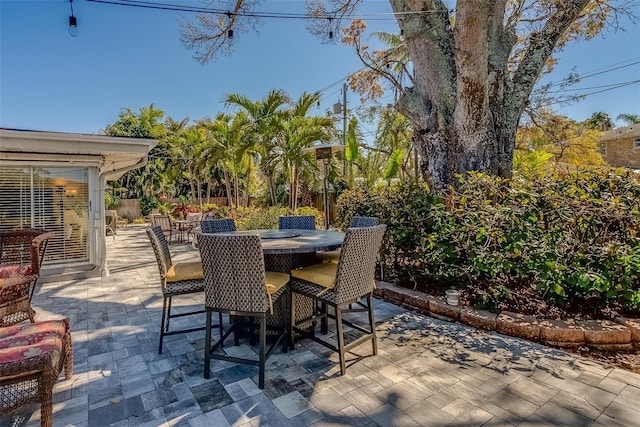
(277, 15)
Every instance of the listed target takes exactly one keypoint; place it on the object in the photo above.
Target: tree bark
(465, 104)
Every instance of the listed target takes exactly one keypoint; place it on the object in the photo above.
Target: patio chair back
(357, 262)
(194, 216)
(26, 246)
(364, 221)
(165, 224)
(234, 273)
(297, 222)
(163, 221)
(161, 250)
(111, 222)
(218, 225)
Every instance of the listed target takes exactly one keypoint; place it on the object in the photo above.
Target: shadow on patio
(428, 372)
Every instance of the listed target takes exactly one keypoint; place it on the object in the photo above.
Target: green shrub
(574, 239)
(147, 204)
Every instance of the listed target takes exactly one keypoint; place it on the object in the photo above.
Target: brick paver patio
(428, 372)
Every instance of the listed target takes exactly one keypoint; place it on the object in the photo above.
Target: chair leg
(372, 324)
(207, 346)
(292, 320)
(221, 329)
(263, 350)
(252, 336)
(68, 359)
(287, 330)
(340, 338)
(46, 405)
(324, 322)
(168, 315)
(164, 311)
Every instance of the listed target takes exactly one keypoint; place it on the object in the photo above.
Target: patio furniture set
(273, 285)
(31, 354)
(179, 230)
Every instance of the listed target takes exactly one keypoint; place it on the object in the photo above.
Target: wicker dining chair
(236, 283)
(297, 222)
(176, 279)
(166, 225)
(356, 221)
(339, 285)
(221, 225)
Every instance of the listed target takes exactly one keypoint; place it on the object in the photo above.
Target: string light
(230, 32)
(73, 22)
(387, 16)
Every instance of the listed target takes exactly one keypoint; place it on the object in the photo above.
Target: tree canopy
(469, 68)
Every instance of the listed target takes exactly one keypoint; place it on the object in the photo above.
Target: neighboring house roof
(112, 155)
(632, 131)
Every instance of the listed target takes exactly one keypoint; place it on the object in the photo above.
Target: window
(52, 198)
(636, 143)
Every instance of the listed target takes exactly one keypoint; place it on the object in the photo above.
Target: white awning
(112, 155)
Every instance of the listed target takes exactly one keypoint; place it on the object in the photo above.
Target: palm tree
(259, 140)
(297, 131)
(224, 147)
(629, 119)
(184, 147)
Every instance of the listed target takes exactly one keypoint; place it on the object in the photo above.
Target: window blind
(51, 198)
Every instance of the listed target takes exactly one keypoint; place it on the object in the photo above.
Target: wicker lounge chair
(236, 283)
(21, 255)
(31, 358)
(339, 285)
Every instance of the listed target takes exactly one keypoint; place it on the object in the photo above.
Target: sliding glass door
(51, 198)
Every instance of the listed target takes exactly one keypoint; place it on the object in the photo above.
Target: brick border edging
(623, 334)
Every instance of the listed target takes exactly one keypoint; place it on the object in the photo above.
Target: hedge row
(571, 239)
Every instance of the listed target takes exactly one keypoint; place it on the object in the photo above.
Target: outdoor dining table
(286, 250)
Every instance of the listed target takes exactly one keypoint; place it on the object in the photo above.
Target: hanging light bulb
(73, 22)
(230, 32)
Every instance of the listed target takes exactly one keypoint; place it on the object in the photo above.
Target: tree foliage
(472, 67)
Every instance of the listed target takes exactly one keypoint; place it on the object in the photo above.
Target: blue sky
(129, 57)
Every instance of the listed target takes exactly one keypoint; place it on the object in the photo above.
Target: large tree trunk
(465, 103)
